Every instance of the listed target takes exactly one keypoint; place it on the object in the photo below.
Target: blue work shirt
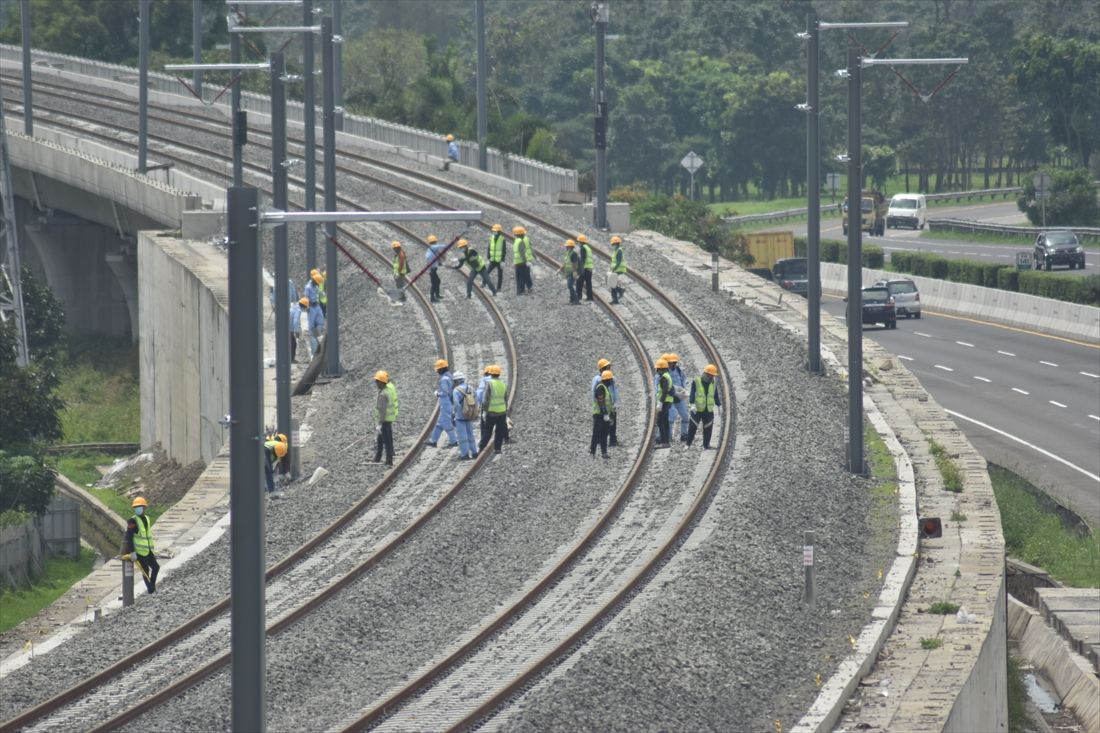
(434, 255)
(296, 314)
(452, 151)
(614, 388)
(446, 387)
(458, 394)
(311, 292)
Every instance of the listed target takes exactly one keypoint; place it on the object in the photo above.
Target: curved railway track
(626, 539)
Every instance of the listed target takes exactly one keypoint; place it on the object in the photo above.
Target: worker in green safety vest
(703, 399)
(587, 263)
(495, 403)
(385, 415)
(665, 397)
(139, 545)
(521, 258)
(603, 405)
(400, 265)
(617, 277)
(496, 254)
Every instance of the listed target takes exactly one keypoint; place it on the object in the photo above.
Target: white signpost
(693, 163)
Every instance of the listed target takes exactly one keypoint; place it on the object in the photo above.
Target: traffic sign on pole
(692, 162)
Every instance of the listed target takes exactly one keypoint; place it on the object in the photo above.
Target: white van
(907, 210)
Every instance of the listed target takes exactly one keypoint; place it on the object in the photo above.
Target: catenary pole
(601, 11)
(282, 267)
(338, 66)
(482, 89)
(813, 194)
(196, 45)
(246, 535)
(328, 115)
(28, 108)
(310, 133)
(143, 85)
(240, 120)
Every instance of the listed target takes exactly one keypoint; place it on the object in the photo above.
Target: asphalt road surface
(1026, 400)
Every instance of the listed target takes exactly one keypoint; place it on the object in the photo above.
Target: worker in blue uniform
(445, 394)
(464, 417)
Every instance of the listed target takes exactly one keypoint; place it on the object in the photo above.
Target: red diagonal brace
(351, 257)
(435, 259)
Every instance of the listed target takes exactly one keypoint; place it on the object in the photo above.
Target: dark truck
(791, 273)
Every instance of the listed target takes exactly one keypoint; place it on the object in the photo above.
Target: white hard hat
(459, 377)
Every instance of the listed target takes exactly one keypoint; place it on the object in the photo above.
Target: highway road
(1027, 401)
(1002, 212)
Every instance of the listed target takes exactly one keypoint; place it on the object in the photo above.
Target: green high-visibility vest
(400, 265)
(269, 446)
(704, 398)
(322, 298)
(143, 535)
(667, 379)
(569, 266)
(391, 404)
(586, 254)
(496, 248)
(521, 250)
(473, 259)
(618, 261)
(608, 404)
(498, 396)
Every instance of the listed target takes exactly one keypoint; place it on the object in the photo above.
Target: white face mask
(139, 510)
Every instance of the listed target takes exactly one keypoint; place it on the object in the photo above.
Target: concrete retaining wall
(99, 526)
(988, 304)
(184, 353)
(22, 553)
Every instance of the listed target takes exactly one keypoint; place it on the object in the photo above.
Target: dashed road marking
(1056, 404)
(922, 333)
(983, 379)
(1090, 374)
(1021, 391)
(905, 358)
(945, 368)
(1005, 353)
(964, 343)
(1021, 441)
(1048, 363)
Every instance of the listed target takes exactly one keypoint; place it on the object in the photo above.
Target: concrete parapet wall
(99, 526)
(1047, 315)
(184, 360)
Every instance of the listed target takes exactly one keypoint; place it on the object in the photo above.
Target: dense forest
(720, 77)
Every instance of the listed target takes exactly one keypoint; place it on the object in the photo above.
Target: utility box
(768, 247)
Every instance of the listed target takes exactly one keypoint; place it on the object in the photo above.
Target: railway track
(631, 535)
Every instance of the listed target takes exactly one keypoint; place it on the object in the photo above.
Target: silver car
(906, 296)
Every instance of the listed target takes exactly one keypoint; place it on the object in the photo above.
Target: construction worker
(482, 387)
(617, 278)
(572, 266)
(275, 447)
(587, 263)
(297, 312)
(318, 278)
(495, 401)
(316, 319)
(434, 256)
(496, 254)
(464, 422)
(445, 394)
(138, 544)
(452, 149)
(385, 415)
(704, 398)
(521, 258)
(612, 433)
(665, 398)
(292, 293)
(400, 265)
(602, 409)
(679, 388)
(469, 256)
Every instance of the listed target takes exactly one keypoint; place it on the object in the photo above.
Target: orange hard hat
(395, 244)
(606, 374)
(441, 364)
(711, 369)
(462, 243)
(570, 243)
(432, 239)
(496, 227)
(603, 363)
(660, 364)
(382, 376)
(139, 501)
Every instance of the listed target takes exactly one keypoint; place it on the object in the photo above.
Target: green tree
(1071, 201)
(26, 483)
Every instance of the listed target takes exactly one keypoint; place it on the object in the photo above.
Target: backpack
(470, 409)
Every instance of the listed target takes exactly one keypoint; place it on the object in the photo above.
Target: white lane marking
(1006, 353)
(1048, 363)
(1021, 391)
(941, 366)
(964, 343)
(1021, 441)
(905, 358)
(1090, 374)
(1095, 417)
(983, 379)
(922, 333)
(1056, 404)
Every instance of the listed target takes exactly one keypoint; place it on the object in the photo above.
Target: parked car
(906, 296)
(1058, 248)
(907, 210)
(878, 306)
(790, 273)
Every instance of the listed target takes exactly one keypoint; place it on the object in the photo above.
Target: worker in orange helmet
(139, 544)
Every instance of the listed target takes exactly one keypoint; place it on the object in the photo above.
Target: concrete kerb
(963, 681)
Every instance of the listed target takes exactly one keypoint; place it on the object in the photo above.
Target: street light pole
(855, 267)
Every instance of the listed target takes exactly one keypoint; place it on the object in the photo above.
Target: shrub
(1008, 278)
(943, 608)
(874, 257)
(1071, 200)
(26, 484)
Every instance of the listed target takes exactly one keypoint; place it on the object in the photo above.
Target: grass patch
(80, 466)
(990, 238)
(957, 516)
(99, 384)
(19, 604)
(952, 477)
(943, 608)
(1036, 534)
(930, 644)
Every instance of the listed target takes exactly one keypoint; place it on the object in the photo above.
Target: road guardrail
(1085, 234)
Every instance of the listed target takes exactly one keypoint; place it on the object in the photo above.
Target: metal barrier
(544, 179)
(1085, 234)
